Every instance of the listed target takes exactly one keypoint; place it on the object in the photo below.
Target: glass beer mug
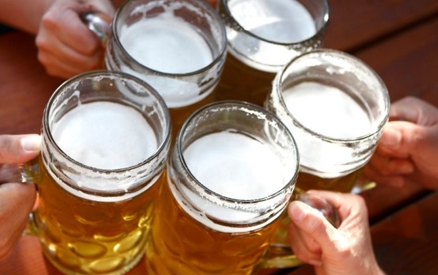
(263, 36)
(230, 176)
(105, 142)
(336, 107)
(177, 46)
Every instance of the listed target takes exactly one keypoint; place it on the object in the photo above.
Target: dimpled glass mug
(229, 178)
(106, 138)
(177, 46)
(336, 107)
(263, 36)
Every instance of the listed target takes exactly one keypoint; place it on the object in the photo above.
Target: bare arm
(23, 14)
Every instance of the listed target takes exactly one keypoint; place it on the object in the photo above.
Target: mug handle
(26, 173)
(279, 253)
(99, 23)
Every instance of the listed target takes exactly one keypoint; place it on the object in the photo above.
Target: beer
(101, 164)
(332, 112)
(178, 49)
(218, 230)
(335, 107)
(93, 234)
(263, 36)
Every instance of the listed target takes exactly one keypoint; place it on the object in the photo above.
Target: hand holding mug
(408, 149)
(15, 197)
(66, 46)
(343, 250)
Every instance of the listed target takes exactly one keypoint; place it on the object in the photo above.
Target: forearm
(23, 14)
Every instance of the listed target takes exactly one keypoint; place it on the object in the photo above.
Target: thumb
(402, 138)
(19, 148)
(312, 222)
(414, 110)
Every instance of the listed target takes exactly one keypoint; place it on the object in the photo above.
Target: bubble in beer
(105, 135)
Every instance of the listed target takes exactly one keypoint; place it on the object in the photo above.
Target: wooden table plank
(407, 242)
(408, 62)
(24, 86)
(355, 24)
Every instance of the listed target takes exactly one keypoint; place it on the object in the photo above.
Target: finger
(16, 198)
(310, 221)
(414, 110)
(347, 205)
(389, 165)
(63, 62)
(375, 175)
(401, 138)
(304, 247)
(19, 148)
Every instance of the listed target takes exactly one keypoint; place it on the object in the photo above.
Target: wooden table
(398, 39)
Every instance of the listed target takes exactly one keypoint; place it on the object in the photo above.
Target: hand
(16, 199)
(66, 46)
(345, 250)
(408, 148)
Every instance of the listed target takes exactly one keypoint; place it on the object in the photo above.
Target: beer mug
(336, 107)
(263, 36)
(177, 46)
(230, 176)
(105, 142)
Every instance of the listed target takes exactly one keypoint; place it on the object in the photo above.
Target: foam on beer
(282, 21)
(169, 45)
(105, 135)
(236, 166)
(327, 110)
(166, 44)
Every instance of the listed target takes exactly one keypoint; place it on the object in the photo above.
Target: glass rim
(362, 66)
(104, 73)
(249, 33)
(217, 59)
(255, 108)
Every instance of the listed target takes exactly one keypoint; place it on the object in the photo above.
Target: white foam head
(105, 135)
(166, 44)
(235, 166)
(327, 110)
(282, 21)
(238, 167)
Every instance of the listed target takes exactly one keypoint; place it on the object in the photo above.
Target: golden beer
(106, 137)
(181, 245)
(242, 82)
(336, 107)
(82, 236)
(177, 47)
(307, 181)
(228, 182)
(264, 36)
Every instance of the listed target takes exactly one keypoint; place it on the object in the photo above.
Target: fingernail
(296, 212)
(31, 143)
(315, 263)
(391, 138)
